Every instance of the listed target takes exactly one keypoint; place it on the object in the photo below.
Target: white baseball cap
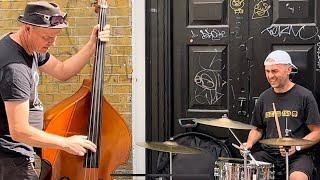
(279, 57)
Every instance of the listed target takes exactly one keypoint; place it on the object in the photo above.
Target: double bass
(87, 112)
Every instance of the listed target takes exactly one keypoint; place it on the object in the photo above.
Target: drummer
(294, 104)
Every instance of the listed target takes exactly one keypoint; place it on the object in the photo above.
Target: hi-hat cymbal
(286, 141)
(169, 146)
(224, 122)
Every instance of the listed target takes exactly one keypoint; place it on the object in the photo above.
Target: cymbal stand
(245, 155)
(170, 165)
(286, 148)
(287, 161)
(170, 161)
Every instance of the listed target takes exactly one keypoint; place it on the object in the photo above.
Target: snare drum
(233, 169)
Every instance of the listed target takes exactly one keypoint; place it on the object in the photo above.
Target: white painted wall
(138, 86)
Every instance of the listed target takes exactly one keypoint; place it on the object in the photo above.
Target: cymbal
(286, 141)
(169, 146)
(224, 122)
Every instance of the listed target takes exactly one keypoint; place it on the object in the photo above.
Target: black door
(210, 64)
(219, 48)
(291, 26)
(205, 59)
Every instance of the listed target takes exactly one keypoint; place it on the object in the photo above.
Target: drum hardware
(286, 142)
(225, 122)
(287, 150)
(246, 151)
(233, 168)
(170, 147)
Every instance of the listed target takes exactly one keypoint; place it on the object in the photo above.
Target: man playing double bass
(22, 54)
(296, 107)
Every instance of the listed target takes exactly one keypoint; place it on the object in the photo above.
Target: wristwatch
(298, 148)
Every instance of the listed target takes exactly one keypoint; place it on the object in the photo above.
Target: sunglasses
(54, 20)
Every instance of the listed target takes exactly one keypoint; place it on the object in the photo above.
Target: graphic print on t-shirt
(34, 99)
(283, 113)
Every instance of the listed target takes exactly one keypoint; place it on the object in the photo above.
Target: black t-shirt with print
(18, 82)
(297, 106)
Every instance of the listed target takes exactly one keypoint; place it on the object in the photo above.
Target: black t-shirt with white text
(297, 107)
(18, 82)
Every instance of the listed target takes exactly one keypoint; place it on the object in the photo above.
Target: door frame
(158, 76)
(151, 102)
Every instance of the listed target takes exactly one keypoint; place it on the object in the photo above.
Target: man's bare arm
(21, 131)
(254, 136)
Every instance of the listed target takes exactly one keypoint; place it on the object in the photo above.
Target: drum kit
(232, 168)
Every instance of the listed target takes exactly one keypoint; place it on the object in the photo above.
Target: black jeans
(17, 168)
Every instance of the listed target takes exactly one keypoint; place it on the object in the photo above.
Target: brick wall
(81, 18)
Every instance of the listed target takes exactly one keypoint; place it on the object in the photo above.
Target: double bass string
(92, 159)
(95, 101)
(101, 65)
(99, 95)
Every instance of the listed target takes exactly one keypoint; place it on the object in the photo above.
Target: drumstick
(236, 146)
(277, 120)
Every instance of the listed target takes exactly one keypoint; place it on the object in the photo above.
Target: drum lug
(216, 172)
(242, 174)
(272, 173)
